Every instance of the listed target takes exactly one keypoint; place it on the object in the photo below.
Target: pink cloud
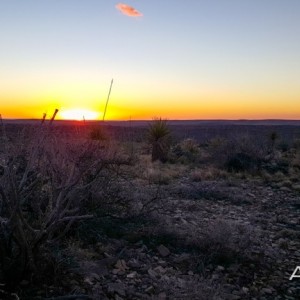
(128, 10)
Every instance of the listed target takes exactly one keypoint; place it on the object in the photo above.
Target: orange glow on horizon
(142, 106)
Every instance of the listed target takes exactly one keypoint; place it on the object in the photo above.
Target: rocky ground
(212, 235)
(220, 239)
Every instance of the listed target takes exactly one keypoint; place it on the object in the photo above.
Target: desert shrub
(283, 146)
(239, 153)
(274, 167)
(185, 152)
(296, 163)
(274, 137)
(241, 162)
(99, 134)
(189, 145)
(219, 149)
(198, 175)
(44, 190)
(296, 144)
(294, 155)
(159, 137)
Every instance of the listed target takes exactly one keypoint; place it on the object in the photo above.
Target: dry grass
(208, 173)
(163, 173)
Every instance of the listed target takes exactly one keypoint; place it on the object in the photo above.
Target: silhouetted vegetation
(158, 135)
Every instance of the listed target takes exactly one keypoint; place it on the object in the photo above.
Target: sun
(79, 114)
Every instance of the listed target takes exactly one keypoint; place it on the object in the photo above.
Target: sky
(196, 59)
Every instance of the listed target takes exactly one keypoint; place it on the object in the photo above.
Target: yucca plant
(159, 137)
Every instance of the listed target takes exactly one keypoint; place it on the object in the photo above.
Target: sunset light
(211, 60)
(78, 114)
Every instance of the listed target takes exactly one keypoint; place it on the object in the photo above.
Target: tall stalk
(111, 83)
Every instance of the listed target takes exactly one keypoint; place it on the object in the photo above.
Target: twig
(83, 217)
(44, 118)
(53, 117)
(69, 297)
(107, 99)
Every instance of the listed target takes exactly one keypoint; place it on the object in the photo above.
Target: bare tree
(44, 184)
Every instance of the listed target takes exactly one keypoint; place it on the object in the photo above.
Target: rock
(134, 264)
(73, 282)
(231, 297)
(160, 270)
(266, 291)
(296, 187)
(220, 268)
(181, 283)
(88, 281)
(165, 278)
(251, 195)
(152, 273)
(118, 288)
(121, 272)
(121, 265)
(150, 289)
(163, 251)
(163, 263)
(24, 283)
(94, 276)
(162, 296)
(215, 277)
(285, 189)
(132, 275)
(183, 260)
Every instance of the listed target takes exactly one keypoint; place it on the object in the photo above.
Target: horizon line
(152, 119)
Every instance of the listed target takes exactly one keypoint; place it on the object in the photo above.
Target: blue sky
(190, 57)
